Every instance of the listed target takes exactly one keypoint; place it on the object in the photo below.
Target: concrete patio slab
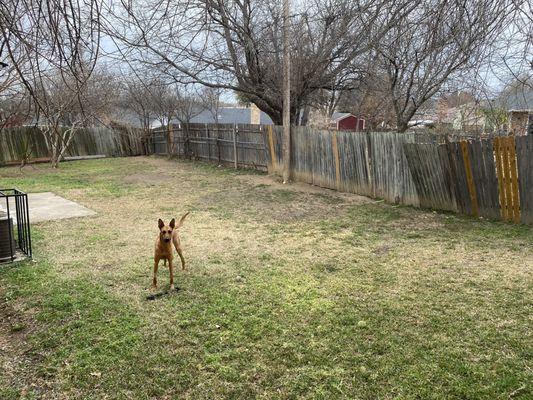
(48, 206)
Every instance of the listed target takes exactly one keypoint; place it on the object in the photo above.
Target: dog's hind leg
(183, 267)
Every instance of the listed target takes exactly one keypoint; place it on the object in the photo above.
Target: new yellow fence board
(469, 178)
(513, 179)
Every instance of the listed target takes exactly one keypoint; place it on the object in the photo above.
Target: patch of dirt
(262, 198)
(27, 171)
(275, 183)
(149, 179)
(382, 250)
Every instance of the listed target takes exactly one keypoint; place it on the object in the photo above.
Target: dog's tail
(180, 222)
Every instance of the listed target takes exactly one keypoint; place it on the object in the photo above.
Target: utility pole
(286, 95)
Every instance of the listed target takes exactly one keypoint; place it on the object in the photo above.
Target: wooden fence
(487, 178)
(490, 178)
(371, 164)
(19, 143)
(234, 144)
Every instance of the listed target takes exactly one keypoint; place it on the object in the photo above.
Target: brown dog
(168, 236)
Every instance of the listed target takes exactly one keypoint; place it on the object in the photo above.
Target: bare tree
(238, 45)
(59, 44)
(164, 105)
(513, 62)
(14, 105)
(171, 101)
(438, 41)
(189, 105)
(366, 100)
(286, 88)
(14, 110)
(211, 101)
(139, 99)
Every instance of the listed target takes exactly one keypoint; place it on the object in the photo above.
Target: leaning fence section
(486, 177)
(238, 145)
(371, 164)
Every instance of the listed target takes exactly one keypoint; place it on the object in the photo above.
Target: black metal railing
(15, 235)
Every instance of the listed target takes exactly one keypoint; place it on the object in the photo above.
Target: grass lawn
(293, 292)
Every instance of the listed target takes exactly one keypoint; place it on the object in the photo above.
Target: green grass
(293, 292)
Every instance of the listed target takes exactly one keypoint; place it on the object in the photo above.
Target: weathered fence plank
(28, 143)
(429, 165)
(524, 158)
(353, 162)
(484, 177)
(335, 148)
(469, 178)
(513, 178)
(460, 184)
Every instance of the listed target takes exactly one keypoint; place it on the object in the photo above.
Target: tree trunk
(305, 116)
(170, 146)
(55, 140)
(54, 162)
(286, 96)
(402, 125)
(187, 143)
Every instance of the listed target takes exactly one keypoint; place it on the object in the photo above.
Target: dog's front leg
(154, 281)
(171, 270)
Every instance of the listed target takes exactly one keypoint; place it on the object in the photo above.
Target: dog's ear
(160, 223)
(172, 223)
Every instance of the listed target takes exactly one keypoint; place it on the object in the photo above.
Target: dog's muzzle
(166, 240)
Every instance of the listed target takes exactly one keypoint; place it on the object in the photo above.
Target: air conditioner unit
(15, 237)
(7, 239)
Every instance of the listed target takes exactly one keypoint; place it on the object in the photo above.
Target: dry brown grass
(293, 291)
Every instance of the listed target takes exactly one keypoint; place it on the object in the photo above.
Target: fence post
(218, 144)
(208, 143)
(469, 177)
(186, 144)
(236, 162)
(511, 147)
(172, 144)
(369, 166)
(272, 149)
(337, 161)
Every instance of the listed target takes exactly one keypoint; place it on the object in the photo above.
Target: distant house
(424, 117)
(346, 122)
(421, 123)
(469, 117)
(228, 115)
(519, 104)
(521, 121)
(235, 115)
